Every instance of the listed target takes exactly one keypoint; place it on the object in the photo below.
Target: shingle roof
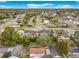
(3, 50)
(44, 31)
(74, 49)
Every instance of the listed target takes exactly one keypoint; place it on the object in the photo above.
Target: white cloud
(49, 5)
(66, 6)
(5, 6)
(39, 5)
(77, 1)
(3, 1)
(33, 5)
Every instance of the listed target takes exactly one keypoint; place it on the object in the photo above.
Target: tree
(62, 48)
(54, 37)
(16, 37)
(10, 37)
(26, 41)
(6, 36)
(33, 39)
(21, 25)
(25, 20)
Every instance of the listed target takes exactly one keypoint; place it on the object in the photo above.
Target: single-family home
(17, 50)
(2, 51)
(74, 52)
(47, 22)
(37, 52)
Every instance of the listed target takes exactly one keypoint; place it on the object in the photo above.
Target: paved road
(53, 51)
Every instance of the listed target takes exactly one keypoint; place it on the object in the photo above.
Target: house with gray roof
(74, 52)
(2, 51)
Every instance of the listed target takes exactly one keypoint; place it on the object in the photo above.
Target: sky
(39, 4)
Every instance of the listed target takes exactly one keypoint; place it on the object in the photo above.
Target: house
(29, 32)
(2, 51)
(37, 52)
(44, 31)
(17, 50)
(74, 52)
(47, 22)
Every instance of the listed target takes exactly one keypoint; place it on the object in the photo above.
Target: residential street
(10, 21)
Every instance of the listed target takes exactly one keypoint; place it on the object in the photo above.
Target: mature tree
(62, 48)
(33, 39)
(6, 36)
(25, 21)
(54, 37)
(10, 37)
(16, 37)
(26, 41)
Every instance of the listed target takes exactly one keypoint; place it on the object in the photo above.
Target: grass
(34, 44)
(53, 25)
(43, 25)
(24, 56)
(49, 56)
(25, 26)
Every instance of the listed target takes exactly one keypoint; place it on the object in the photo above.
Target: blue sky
(39, 4)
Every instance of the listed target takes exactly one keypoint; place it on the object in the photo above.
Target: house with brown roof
(37, 52)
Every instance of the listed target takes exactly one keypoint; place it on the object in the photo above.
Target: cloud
(49, 5)
(3, 1)
(66, 6)
(77, 1)
(5, 6)
(39, 5)
(44, 5)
